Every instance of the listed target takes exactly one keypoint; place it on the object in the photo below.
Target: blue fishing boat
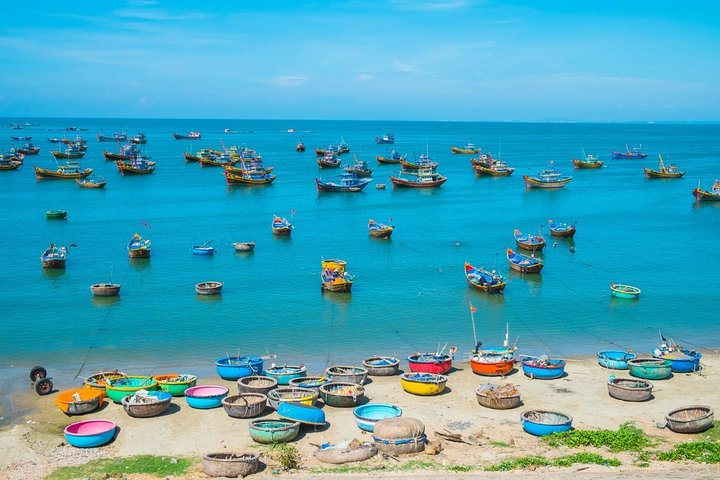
(299, 412)
(138, 247)
(115, 137)
(681, 359)
(549, 178)
(346, 182)
(233, 368)
(484, 280)
(543, 367)
(284, 373)
(559, 229)
(542, 422)
(281, 226)
(53, 257)
(624, 291)
(523, 263)
(203, 249)
(615, 359)
(636, 152)
(367, 416)
(387, 138)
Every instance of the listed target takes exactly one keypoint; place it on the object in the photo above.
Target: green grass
(410, 466)
(712, 435)
(565, 461)
(500, 444)
(700, 451)
(627, 438)
(147, 464)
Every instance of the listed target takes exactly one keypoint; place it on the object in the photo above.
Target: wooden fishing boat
(381, 366)
(245, 405)
(284, 373)
(274, 431)
(117, 389)
(70, 152)
(368, 415)
(335, 280)
(308, 382)
(105, 289)
(331, 149)
(498, 397)
(244, 246)
(424, 384)
(588, 161)
(28, 149)
(90, 182)
(469, 148)
(690, 419)
(483, 160)
(54, 257)
(329, 160)
(346, 182)
(671, 171)
(258, 384)
(543, 422)
(522, 263)
(235, 367)
(144, 404)
(126, 153)
(528, 241)
(188, 136)
(492, 365)
(209, 288)
(307, 396)
(629, 390)
(222, 160)
(20, 138)
(10, 164)
(98, 381)
(379, 230)
(359, 168)
(549, 178)
(559, 229)
(543, 367)
(71, 170)
(483, 280)
(636, 152)
(61, 214)
(138, 247)
(615, 360)
(230, 465)
(624, 291)
(137, 166)
(80, 401)
(347, 373)
(115, 137)
(650, 368)
(422, 163)
(681, 359)
(394, 157)
(430, 363)
(497, 168)
(713, 195)
(139, 139)
(343, 147)
(189, 157)
(300, 147)
(175, 383)
(354, 451)
(388, 138)
(281, 226)
(424, 178)
(341, 394)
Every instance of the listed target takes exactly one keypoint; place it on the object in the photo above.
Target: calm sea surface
(410, 292)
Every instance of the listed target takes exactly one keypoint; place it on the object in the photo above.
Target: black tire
(37, 373)
(43, 386)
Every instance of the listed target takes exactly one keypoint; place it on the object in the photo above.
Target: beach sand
(35, 445)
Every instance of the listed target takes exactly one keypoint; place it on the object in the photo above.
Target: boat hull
(43, 173)
(234, 368)
(469, 151)
(615, 360)
(630, 390)
(105, 289)
(79, 401)
(274, 431)
(658, 174)
(431, 386)
(540, 422)
(532, 182)
(54, 263)
(337, 286)
(650, 369)
(388, 160)
(139, 253)
(441, 365)
(367, 416)
(579, 164)
(624, 291)
(492, 368)
(484, 171)
(554, 369)
(568, 232)
(687, 362)
(405, 183)
(90, 184)
(705, 196)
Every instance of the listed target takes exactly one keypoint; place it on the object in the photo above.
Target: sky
(455, 60)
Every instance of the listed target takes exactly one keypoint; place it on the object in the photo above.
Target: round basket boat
(231, 465)
(205, 396)
(209, 288)
(424, 384)
(90, 433)
(283, 374)
(690, 419)
(341, 394)
(256, 384)
(498, 397)
(352, 452)
(99, 380)
(302, 413)
(308, 396)
(79, 401)
(274, 431)
(118, 389)
(400, 436)
(151, 404)
(367, 416)
(245, 405)
(543, 422)
(175, 383)
(381, 366)
(630, 390)
(233, 368)
(347, 374)
(615, 359)
(308, 382)
(543, 368)
(105, 289)
(650, 368)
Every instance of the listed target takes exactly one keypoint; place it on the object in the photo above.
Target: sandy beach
(35, 446)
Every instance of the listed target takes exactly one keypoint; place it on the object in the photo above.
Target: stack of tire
(400, 436)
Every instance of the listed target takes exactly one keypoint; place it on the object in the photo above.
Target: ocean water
(410, 292)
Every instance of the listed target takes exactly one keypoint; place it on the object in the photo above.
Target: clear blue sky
(609, 60)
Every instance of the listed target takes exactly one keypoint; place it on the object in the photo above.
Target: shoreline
(38, 443)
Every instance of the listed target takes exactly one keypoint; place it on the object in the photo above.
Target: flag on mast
(472, 308)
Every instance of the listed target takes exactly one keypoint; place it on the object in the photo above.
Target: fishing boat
(707, 196)
(650, 368)
(10, 163)
(523, 263)
(484, 280)
(115, 137)
(484, 160)
(329, 160)
(360, 168)
(430, 362)
(244, 246)
(422, 163)
(248, 177)
(636, 152)
(62, 214)
(559, 229)
(70, 152)
(682, 360)
(281, 226)
(469, 148)
(587, 161)
(126, 152)
(629, 390)
(549, 178)
(381, 366)
(615, 359)
(209, 288)
(138, 247)
(53, 257)
(388, 138)
(528, 241)
(343, 147)
(492, 365)
(334, 278)
(671, 171)
(139, 139)
(380, 230)
(543, 367)
(321, 152)
(225, 159)
(105, 289)
(90, 182)
(543, 422)
(20, 138)
(346, 182)
(498, 397)
(236, 367)
(28, 149)
(136, 166)
(423, 178)
(394, 157)
(300, 147)
(424, 384)
(119, 388)
(69, 170)
(690, 419)
(283, 374)
(624, 291)
(188, 136)
(203, 249)
(80, 401)
(497, 168)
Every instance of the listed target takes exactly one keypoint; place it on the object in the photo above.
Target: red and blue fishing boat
(281, 226)
(559, 229)
(346, 182)
(682, 360)
(636, 152)
(528, 241)
(138, 247)
(430, 362)
(484, 280)
(394, 157)
(188, 136)
(523, 263)
(388, 138)
(713, 195)
(549, 178)
(53, 257)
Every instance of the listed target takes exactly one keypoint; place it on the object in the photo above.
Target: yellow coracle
(425, 384)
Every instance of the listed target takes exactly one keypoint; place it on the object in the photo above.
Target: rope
(90, 347)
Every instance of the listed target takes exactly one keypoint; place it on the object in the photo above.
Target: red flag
(472, 309)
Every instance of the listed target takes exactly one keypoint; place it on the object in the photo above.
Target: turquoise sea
(410, 292)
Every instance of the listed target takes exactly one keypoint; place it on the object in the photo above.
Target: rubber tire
(37, 373)
(43, 386)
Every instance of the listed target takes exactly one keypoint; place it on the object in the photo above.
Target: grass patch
(565, 461)
(700, 451)
(500, 444)
(712, 435)
(287, 455)
(148, 464)
(410, 466)
(627, 438)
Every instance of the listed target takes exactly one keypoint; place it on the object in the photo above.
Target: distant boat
(707, 196)
(329, 160)
(139, 139)
(53, 257)
(126, 152)
(469, 148)
(523, 263)
(346, 182)
(71, 151)
(497, 168)
(483, 280)
(203, 249)
(89, 182)
(56, 214)
(115, 137)
(138, 247)
(423, 178)
(380, 230)
(528, 241)
(248, 177)
(321, 152)
(334, 278)
(588, 161)
(549, 178)
(636, 152)
(624, 291)
(188, 136)
(105, 289)
(671, 171)
(280, 226)
(559, 229)
(394, 157)
(20, 139)
(28, 149)
(10, 162)
(244, 246)
(360, 168)
(300, 147)
(71, 169)
(423, 162)
(388, 138)
(343, 147)
(136, 166)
